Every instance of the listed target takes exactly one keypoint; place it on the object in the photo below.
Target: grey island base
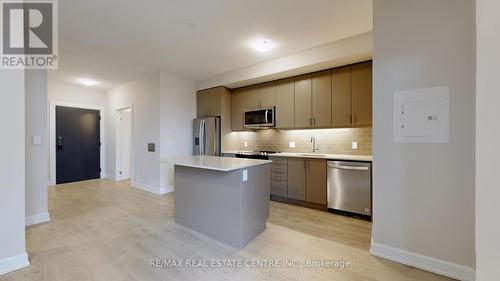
(224, 198)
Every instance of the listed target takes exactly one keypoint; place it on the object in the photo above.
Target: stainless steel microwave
(260, 118)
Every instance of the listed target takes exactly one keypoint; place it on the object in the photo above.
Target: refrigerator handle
(217, 139)
(201, 137)
(204, 136)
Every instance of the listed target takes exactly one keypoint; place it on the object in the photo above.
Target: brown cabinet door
(285, 104)
(237, 109)
(202, 104)
(296, 179)
(214, 101)
(361, 93)
(303, 117)
(252, 97)
(268, 95)
(316, 181)
(341, 96)
(322, 99)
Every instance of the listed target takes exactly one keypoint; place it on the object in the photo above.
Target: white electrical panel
(422, 115)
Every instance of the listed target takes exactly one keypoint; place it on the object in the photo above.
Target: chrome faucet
(313, 141)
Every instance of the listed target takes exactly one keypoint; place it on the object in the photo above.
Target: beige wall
(487, 139)
(423, 202)
(331, 141)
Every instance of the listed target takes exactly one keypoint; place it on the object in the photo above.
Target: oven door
(261, 118)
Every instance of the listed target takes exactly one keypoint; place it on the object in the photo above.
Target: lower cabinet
(316, 181)
(297, 178)
(300, 180)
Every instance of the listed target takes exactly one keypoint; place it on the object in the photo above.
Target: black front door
(78, 145)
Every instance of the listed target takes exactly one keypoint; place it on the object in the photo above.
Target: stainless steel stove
(255, 154)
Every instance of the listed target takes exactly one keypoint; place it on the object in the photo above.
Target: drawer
(279, 188)
(279, 168)
(279, 160)
(279, 176)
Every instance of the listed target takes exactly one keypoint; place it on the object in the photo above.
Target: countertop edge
(345, 157)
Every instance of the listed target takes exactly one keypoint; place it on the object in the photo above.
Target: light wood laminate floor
(104, 230)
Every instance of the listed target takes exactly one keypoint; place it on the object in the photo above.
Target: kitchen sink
(313, 155)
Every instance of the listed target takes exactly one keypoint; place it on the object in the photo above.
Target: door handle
(355, 168)
(59, 144)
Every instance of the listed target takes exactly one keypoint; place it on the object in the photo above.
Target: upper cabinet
(303, 116)
(341, 96)
(352, 95)
(322, 99)
(260, 96)
(237, 110)
(361, 94)
(313, 99)
(208, 102)
(336, 98)
(285, 104)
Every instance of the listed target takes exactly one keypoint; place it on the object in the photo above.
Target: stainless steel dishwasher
(349, 187)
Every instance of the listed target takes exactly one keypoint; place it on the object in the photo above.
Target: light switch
(245, 144)
(245, 175)
(37, 140)
(291, 144)
(354, 145)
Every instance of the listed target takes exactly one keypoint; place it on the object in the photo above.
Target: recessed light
(262, 45)
(87, 82)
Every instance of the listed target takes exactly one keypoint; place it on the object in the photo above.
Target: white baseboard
(426, 263)
(167, 189)
(14, 263)
(36, 219)
(109, 177)
(152, 189)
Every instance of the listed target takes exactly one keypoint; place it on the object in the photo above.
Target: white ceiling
(115, 41)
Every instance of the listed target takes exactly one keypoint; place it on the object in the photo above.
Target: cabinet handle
(314, 121)
(310, 121)
(349, 119)
(355, 118)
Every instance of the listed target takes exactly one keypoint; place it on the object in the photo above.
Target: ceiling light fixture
(262, 45)
(87, 82)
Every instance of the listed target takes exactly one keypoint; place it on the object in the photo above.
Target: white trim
(109, 177)
(37, 219)
(431, 264)
(118, 177)
(152, 189)
(167, 189)
(52, 135)
(14, 263)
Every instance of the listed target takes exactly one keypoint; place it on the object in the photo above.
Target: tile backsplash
(332, 141)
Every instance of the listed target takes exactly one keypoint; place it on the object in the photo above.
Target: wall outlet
(245, 144)
(291, 144)
(354, 145)
(245, 175)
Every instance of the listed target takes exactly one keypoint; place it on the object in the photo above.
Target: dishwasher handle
(343, 167)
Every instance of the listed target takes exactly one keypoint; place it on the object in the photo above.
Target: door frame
(117, 176)
(52, 135)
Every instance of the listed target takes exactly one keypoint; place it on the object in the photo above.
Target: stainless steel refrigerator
(206, 136)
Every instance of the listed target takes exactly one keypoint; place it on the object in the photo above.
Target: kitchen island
(224, 198)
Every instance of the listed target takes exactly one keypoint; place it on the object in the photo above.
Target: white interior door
(124, 144)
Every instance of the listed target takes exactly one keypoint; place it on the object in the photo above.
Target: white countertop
(224, 164)
(319, 155)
